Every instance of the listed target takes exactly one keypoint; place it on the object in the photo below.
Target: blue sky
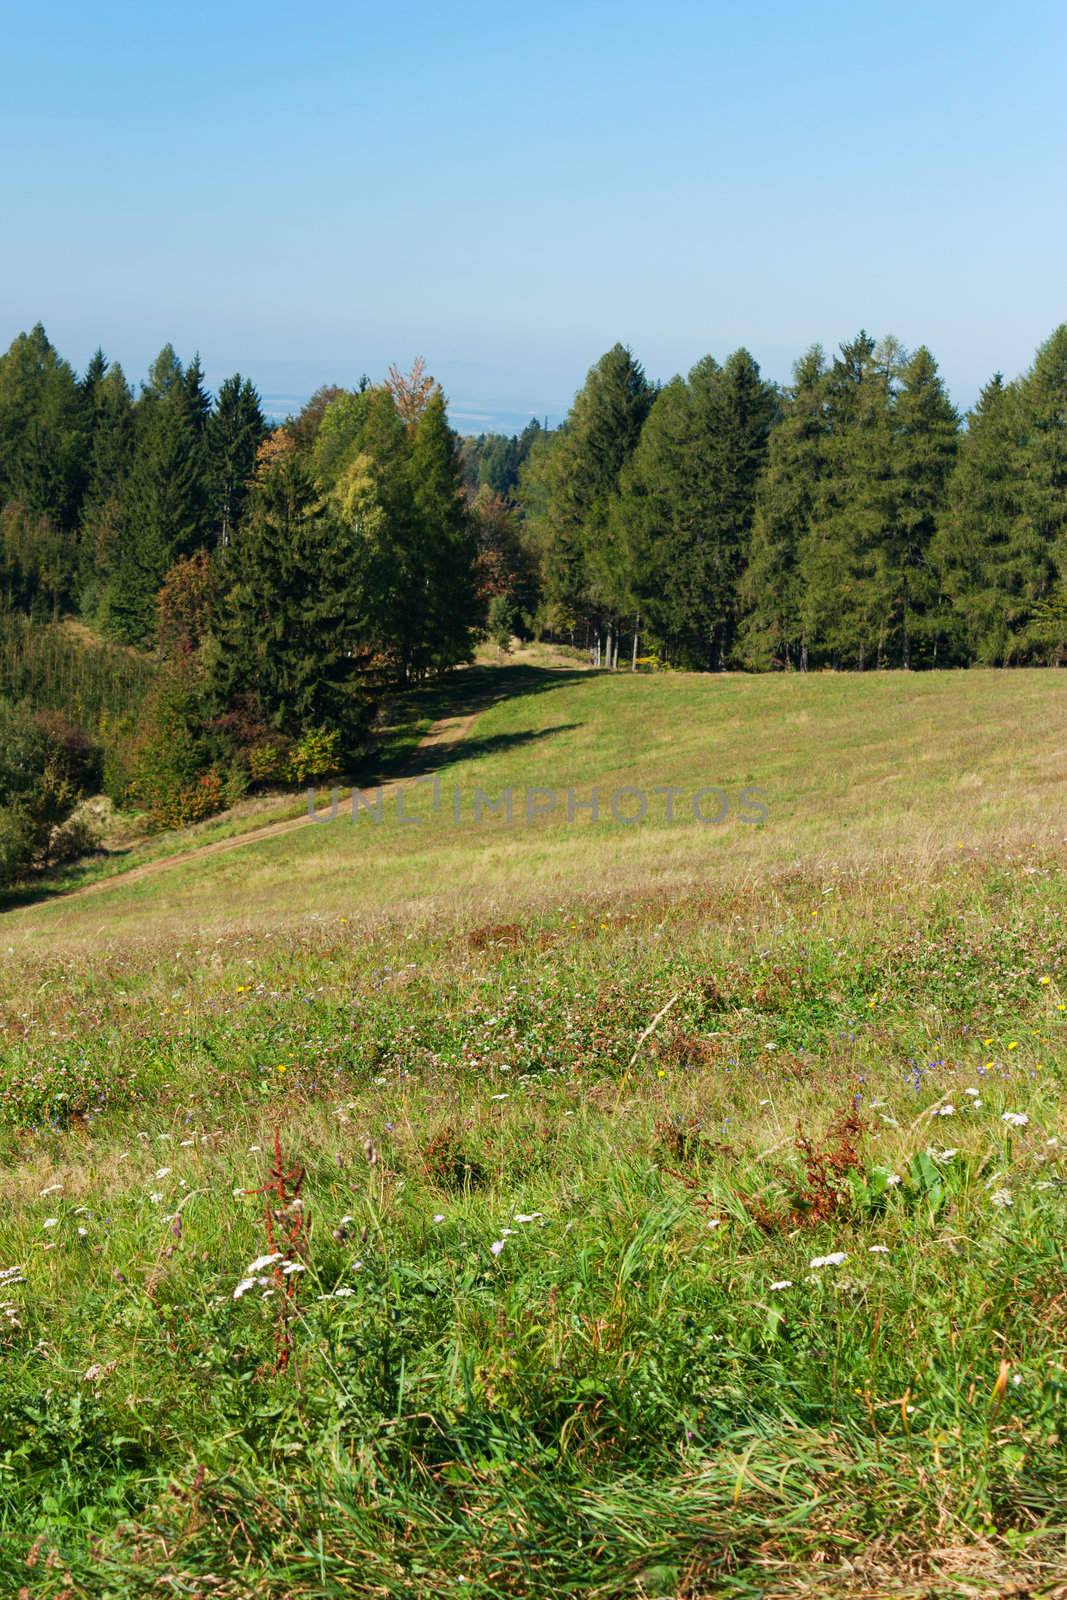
(307, 194)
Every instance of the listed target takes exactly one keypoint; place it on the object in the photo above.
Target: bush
(177, 806)
(317, 755)
(34, 782)
(16, 845)
(76, 838)
(269, 762)
(500, 623)
(76, 756)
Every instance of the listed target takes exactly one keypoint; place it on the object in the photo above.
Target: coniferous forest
(266, 584)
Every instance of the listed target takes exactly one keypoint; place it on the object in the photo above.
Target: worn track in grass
(446, 731)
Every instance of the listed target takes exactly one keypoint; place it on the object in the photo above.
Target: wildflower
(293, 1266)
(833, 1260)
(496, 1246)
(782, 1283)
(714, 1222)
(1001, 1198)
(1016, 1119)
(526, 1216)
(281, 1067)
(163, 1172)
(877, 1249)
(243, 1287)
(498, 1097)
(892, 1180)
(155, 1197)
(945, 1111)
(440, 1217)
(50, 1222)
(1046, 980)
(944, 1155)
(974, 1093)
(264, 1261)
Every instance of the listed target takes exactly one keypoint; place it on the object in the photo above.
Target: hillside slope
(545, 1208)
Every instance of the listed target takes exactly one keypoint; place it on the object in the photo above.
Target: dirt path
(446, 731)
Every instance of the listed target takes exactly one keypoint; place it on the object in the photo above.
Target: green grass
(449, 1030)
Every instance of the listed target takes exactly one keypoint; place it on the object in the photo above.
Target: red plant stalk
(284, 1220)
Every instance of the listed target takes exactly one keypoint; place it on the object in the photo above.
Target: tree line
(279, 579)
(851, 519)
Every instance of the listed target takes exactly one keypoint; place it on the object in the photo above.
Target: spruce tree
(846, 587)
(445, 591)
(110, 451)
(926, 440)
(787, 495)
(235, 430)
(290, 631)
(1041, 537)
(570, 487)
(43, 434)
(166, 510)
(686, 503)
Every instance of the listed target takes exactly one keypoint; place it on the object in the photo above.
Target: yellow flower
(1046, 980)
(281, 1067)
(1013, 1045)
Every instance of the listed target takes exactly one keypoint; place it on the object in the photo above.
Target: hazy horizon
(509, 194)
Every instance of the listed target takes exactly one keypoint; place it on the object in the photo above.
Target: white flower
(944, 1155)
(1001, 1197)
(11, 1275)
(782, 1283)
(155, 1197)
(892, 1180)
(526, 1216)
(498, 1097)
(263, 1261)
(293, 1266)
(50, 1222)
(53, 1188)
(945, 1111)
(163, 1172)
(714, 1222)
(877, 1249)
(974, 1093)
(83, 1233)
(833, 1260)
(243, 1287)
(440, 1217)
(338, 1294)
(496, 1246)
(1015, 1119)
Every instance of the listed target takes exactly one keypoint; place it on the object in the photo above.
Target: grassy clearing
(559, 1327)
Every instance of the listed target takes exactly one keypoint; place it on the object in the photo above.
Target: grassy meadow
(657, 1209)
